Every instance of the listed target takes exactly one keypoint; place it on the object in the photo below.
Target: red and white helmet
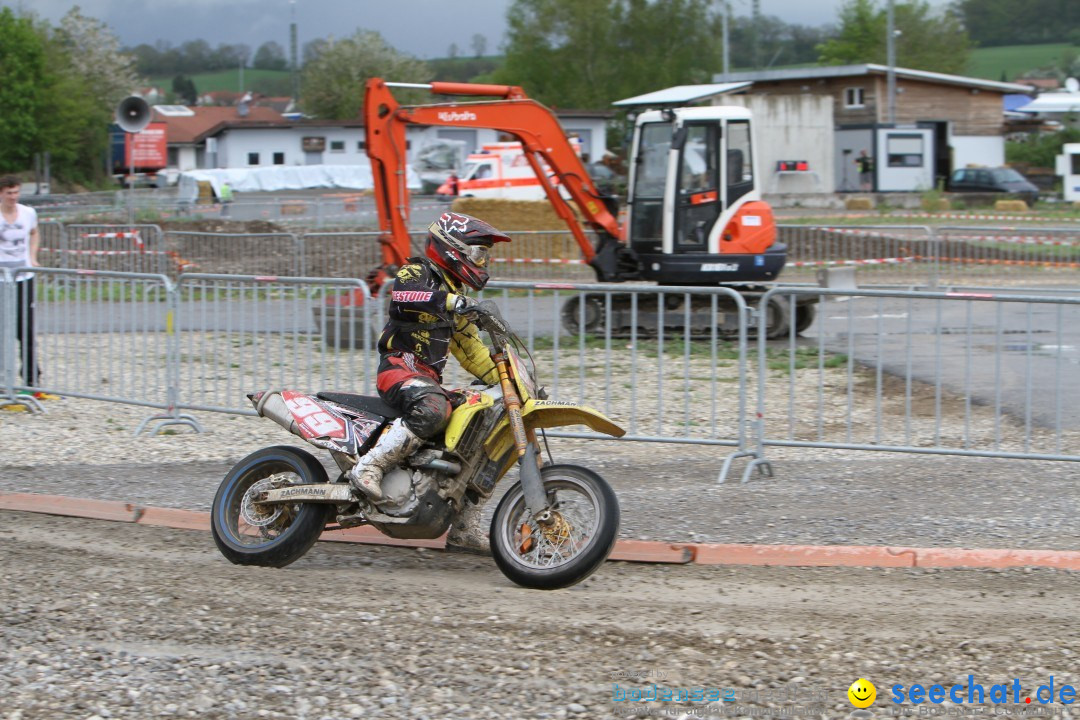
(461, 245)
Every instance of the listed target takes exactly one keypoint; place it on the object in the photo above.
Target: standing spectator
(866, 171)
(19, 242)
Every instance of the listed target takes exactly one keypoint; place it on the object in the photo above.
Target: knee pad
(427, 411)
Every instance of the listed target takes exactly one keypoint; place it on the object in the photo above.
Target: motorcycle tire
(298, 526)
(510, 544)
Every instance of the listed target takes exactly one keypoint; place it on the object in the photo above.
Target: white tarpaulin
(281, 177)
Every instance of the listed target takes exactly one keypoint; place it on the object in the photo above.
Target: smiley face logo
(862, 693)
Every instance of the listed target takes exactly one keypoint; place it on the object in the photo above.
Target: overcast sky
(425, 28)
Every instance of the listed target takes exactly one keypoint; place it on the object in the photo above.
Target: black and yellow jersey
(422, 322)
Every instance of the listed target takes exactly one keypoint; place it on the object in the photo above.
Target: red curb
(625, 550)
(652, 552)
(173, 518)
(801, 555)
(961, 557)
(70, 507)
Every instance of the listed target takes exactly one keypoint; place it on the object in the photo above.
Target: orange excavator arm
(534, 125)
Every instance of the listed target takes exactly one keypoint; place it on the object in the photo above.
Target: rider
(426, 322)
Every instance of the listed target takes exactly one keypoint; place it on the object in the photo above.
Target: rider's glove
(464, 305)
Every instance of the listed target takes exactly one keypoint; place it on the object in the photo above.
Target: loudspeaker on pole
(133, 114)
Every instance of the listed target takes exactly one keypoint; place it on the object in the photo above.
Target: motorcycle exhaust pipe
(443, 466)
(269, 404)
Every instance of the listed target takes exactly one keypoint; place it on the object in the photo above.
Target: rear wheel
(566, 551)
(269, 535)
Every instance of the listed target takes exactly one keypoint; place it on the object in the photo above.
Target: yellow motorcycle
(553, 528)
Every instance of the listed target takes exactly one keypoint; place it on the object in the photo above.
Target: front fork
(528, 452)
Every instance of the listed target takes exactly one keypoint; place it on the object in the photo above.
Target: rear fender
(546, 414)
(316, 421)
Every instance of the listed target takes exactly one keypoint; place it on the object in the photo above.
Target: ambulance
(500, 170)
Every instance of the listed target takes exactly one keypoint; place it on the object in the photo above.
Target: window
(279, 158)
(740, 163)
(905, 150)
(361, 146)
(854, 98)
(1075, 163)
(337, 146)
(253, 158)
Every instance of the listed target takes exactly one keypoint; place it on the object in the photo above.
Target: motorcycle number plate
(313, 419)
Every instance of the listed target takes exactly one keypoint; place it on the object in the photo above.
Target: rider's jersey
(422, 323)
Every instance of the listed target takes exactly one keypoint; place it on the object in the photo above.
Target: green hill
(267, 82)
(1013, 60)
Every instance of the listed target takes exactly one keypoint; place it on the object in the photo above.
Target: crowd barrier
(905, 255)
(946, 373)
(932, 257)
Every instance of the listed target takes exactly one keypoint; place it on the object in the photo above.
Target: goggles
(479, 254)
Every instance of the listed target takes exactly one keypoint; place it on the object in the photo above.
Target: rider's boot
(396, 444)
(466, 532)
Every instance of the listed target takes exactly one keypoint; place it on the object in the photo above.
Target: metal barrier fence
(921, 255)
(239, 334)
(7, 337)
(105, 336)
(975, 374)
(895, 254)
(884, 370)
(667, 363)
(1008, 255)
(110, 248)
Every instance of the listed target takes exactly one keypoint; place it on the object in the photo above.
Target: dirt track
(117, 620)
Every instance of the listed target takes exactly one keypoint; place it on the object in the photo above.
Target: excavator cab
(695, 215)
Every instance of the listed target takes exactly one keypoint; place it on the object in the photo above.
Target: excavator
(695, 215)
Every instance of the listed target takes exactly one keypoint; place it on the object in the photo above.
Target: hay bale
(1011, 206)
(859, 203)
(294, 208)
(938, 205)
(510, 215)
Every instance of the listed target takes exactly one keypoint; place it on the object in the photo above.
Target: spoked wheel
(569, 549)
(270, 535)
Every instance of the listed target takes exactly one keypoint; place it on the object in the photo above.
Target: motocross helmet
(461, 245)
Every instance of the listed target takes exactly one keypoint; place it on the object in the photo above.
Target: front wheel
(573, 546)
(269, 535)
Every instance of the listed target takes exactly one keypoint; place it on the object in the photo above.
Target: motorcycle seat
(367, 403)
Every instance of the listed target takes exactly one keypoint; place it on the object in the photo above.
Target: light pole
(890, 59)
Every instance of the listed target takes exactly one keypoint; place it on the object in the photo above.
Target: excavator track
(638, 315)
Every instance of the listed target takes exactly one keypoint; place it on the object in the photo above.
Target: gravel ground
(84, 448)
(110, 620)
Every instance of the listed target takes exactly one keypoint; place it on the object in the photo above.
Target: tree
(926, 40)
(1019, 22)
(313, 49)
(22, 71)
(184, 89)
(270, 56)
(479, 45)
(587, 53)
(95, 58)
(332, 85)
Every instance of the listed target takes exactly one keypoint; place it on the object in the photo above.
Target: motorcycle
(553, 528)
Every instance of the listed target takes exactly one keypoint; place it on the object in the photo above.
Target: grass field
(1013, 60)
(268, 82)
